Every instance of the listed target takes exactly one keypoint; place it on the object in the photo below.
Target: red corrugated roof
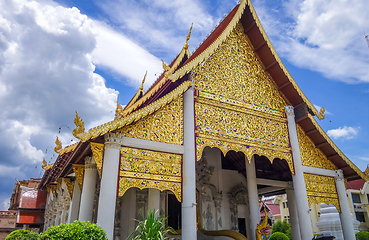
(356, 184)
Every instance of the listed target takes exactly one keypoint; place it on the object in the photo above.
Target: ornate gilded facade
(150, 169)
(237, 106)
(321, 189)
(164, 125)
(310, 155)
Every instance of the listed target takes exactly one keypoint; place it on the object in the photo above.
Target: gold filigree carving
(150, 169)
(226, 145)
(58, 145)
(281, 65)
(58, 183)
(321, 189)
(118, 109)
(51, 188)
(98, 151)
(45, 166)
(69, 185)
(68, 148)
(80, 129)
(165, 125)
(310, 155)
(79, 170)
(340, 153)
(137, 115)
(234, 72)
(227, 121)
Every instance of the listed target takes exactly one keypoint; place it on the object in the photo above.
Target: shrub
(152, 228)
(22, 234)
(363, 235)
(76, 230)
(283, 227)
(278, 236)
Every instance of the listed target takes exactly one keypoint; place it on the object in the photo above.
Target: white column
(252, 189)
(189, 231)
(154, 201)
(302, 204)
(88, 190)
(108, 184)
(74, 205)
(294, 220)
(345, 215)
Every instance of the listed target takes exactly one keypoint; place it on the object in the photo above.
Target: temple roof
(173, 82)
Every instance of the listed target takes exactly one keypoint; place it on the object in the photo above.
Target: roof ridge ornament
(58, 147)
(188, 37)
(119, 109)
(321, 113)
(80, 129)
(143, 81)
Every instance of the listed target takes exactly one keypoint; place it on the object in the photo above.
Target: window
(242, 226)
(360, 216)
(284, 205)
(367, 196)
(356, 198)
(174, 212)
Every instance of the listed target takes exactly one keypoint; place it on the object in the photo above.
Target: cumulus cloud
(6, 203)
(46, 73)
(343, 132)
(120, 54)
(323, 36)
(161, 26)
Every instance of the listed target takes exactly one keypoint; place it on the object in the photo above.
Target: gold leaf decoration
(79, 170)
(69, 185)
(150, 169)
(80, 129)
(58, 147)
(164, 125)
(310, 155)
(321, 189)
(98, 151)
(234, 72)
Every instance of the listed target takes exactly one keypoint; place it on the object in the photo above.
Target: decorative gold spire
(188, 38)
(367, 170)
(44, 164)
(80, 129)
(321, 112)
(20, 186)
(58, 147)
(142, 84)
(168, 71)
(119, 109)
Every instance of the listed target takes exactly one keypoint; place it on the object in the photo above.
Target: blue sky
(60, 56)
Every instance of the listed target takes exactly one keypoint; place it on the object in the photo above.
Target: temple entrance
(223, 193)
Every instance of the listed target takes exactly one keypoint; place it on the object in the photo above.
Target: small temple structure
(218, 129)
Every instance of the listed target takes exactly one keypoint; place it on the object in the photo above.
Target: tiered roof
(175, 80)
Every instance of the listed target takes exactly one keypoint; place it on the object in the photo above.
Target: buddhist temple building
(218, 129)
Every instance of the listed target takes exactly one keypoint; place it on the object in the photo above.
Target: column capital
(90, 163)
(289, 111)
(339, 175)
(113, 140)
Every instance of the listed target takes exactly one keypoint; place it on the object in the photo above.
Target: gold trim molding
(98, 151)
(79, 170)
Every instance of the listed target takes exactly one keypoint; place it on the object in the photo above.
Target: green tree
(152, 228)
(76, 230)
(22, 235)
(363, 235)
(278, 236)
(283, 227)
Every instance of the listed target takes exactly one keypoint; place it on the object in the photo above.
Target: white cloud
(46, 73)
(161, 26)
(115, 51)
(323, 36)
(344, 133)
(6, 203)
(364, 158)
